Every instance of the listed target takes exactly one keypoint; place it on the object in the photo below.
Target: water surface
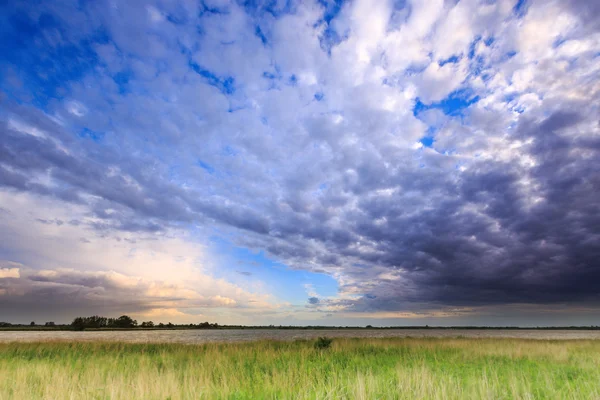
(243, 335)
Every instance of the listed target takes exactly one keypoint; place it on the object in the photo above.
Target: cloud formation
(428, 156)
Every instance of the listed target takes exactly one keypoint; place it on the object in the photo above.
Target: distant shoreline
(233, 327)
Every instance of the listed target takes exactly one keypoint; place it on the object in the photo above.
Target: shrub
(323, 343)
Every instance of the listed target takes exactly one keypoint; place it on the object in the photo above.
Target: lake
(242, 335)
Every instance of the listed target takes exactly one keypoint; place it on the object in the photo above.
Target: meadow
(393, 368)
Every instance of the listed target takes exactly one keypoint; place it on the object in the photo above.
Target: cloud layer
(428, 156)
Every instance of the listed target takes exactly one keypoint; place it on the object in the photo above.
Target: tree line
(99, 322)
(126, 322)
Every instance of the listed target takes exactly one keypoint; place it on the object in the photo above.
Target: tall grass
(399, 368)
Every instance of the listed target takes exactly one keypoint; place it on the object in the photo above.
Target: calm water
(241, 335)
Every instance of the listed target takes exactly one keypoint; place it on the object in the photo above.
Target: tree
(50, 323)
(78, 324)
(207, 325)
(147, 324)
(125, 321)
(32, 323)
(93, 322)
(97, 322)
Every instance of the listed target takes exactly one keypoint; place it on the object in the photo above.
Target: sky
(301, 162)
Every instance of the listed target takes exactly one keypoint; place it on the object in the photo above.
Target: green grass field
(351, 369)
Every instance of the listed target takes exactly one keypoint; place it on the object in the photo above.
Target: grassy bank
(352, 369)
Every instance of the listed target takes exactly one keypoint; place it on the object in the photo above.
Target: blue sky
(315, 162)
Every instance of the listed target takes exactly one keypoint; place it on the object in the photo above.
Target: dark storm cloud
(485, 237)
(507, 250)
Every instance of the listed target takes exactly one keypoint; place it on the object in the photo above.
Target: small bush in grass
(323, 343)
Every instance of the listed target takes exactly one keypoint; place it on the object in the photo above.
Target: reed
(398, 368)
